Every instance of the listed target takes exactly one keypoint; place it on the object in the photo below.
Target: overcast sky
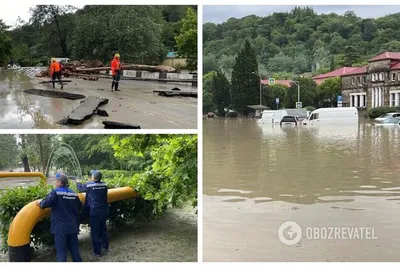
(219, 14)
(9, 13)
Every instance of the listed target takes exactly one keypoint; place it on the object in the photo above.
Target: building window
(365, 79)
(358, 80)
(393, 76)
(358, 100)
(352, 81)
(381, 76)
(398, 76)
(394, 98)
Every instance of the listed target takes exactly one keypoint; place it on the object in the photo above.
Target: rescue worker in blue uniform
(65, 207)
(96, 206)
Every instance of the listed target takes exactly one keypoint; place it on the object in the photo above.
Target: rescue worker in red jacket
(116, 68)
(55, 72)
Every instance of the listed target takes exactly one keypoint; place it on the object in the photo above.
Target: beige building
(374, 85)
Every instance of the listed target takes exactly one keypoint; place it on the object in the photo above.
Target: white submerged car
(388, 116)
(331, 116)
(389, 122)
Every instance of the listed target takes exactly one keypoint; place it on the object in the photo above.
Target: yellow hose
(23, 174)
(21, 227)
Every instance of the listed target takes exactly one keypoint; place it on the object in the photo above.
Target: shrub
(13, 200)
(110, 174)
(379, 111)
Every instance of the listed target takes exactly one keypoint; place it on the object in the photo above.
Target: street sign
(299, 104)
(339, 99)
(271, 80)
(277, 100)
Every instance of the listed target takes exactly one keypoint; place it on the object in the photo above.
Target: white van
(332, 116)
(272, 116)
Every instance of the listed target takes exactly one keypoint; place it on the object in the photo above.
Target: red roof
(359, 70)
(395, 66)
(287, 83)
(336, 73)
(386, 55)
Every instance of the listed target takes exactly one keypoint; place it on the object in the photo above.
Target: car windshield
(387, 115)
(288, 119)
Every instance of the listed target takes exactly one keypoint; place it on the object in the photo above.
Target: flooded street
(134, 104)
(258, 177)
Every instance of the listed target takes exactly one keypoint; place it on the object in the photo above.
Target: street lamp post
(298, 89)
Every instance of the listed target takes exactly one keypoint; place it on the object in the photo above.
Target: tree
(327, 92)
(281, 63)
(187, 39)
(49, 14)
(332, 63)
(245, 80)
(351, 56)
(132, 31)
(221, 94)
(307, 93)
(172, 177)
(5, 44)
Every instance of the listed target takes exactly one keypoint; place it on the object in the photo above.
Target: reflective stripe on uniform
(61, 193)
(96, 184)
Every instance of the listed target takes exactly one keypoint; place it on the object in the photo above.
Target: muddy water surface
(256, 178)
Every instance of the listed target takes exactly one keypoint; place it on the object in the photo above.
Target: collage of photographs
(199, 134)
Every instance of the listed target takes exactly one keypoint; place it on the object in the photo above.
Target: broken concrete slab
(86, 109)
(119, 125)
(102, 112)
(50, 81)
(55, 94)
(176, 93)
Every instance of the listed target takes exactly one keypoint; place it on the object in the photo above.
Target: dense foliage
(161, 168)
(141, 34)
(300, 41)
(187, 39)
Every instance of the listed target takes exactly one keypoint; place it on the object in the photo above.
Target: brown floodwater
(257, 177)
(134, 104)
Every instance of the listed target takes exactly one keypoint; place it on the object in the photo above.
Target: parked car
(390, 121)
(210, 115)
(289, 120)
(388, 116)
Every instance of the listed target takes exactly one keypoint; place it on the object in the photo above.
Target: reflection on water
(17, 109)
(299, 165)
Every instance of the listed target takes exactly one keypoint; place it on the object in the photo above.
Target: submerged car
(388, 116)
(289, 120)
(390, 121)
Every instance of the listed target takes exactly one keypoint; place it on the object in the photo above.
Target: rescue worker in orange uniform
(116, 68)
(55, 72)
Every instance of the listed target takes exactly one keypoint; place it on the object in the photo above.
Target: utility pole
(298, 90)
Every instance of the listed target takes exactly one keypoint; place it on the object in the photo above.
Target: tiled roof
(359, 70)
(336, 73)
(287, 83)
(386, 55)
(395, 66)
